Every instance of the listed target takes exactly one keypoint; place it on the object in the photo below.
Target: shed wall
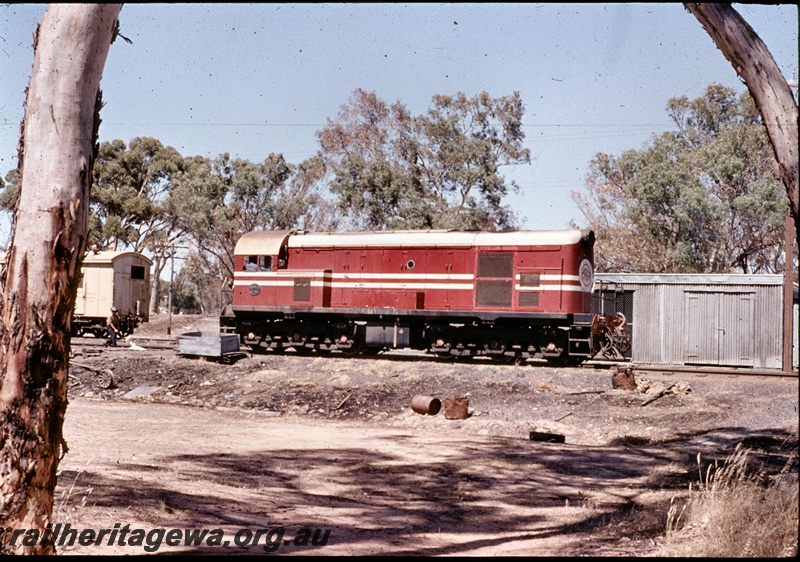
(715, 323)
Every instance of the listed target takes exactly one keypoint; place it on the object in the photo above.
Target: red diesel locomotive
(505, 295)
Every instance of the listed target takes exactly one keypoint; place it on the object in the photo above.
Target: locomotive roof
(269, 242)
(261, 242)
(434, 238)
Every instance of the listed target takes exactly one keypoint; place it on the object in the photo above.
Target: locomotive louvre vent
(529, 299)
(493, 293)
(496, 265)
(494, 284)
(530, 280)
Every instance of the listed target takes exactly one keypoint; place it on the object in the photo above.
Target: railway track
(146, 342)
(707, 370)
(171, 342)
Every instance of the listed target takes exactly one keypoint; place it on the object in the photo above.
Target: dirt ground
(297, 445)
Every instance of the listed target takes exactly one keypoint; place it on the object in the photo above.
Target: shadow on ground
(489, 493)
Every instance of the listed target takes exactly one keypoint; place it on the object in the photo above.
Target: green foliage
(9, 192)
(392, 170)
(217, 200)
(379, 167)
(195, 291)
(703, 198)
(186, 293)
(128, 208)
(128, 193)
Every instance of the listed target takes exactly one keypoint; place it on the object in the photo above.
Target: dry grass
(734, 512)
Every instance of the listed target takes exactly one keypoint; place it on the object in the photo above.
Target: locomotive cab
(262, 251)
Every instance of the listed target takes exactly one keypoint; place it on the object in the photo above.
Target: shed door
(718, 328)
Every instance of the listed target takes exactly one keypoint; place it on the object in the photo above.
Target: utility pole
(788, 281)
(788, 294)
(169, 296)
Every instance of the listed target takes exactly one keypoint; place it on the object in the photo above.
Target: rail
(171, 342)
(695, 369)
(147, 342)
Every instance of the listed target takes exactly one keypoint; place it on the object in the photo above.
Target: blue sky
(252, 79)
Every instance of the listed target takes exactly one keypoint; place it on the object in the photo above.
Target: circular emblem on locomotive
(254, 289)
(586, 274)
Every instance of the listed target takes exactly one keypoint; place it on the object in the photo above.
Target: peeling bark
(753, 62)
(43, 265)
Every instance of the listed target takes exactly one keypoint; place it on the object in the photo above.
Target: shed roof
(108, 256)
(105, 256)
(689, 278)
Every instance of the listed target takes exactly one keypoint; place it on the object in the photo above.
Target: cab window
(265, 263)
(251, 263)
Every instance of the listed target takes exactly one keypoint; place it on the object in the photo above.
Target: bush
(736, 513)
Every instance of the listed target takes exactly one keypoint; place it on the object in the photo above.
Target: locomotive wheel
(355, 349)
(257, 348)
(505, 359)
(302, 350)
(563, 361)
(496, 351)
(297, 341)
(444, 355)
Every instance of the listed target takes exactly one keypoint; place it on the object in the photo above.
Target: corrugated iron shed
(727, 320)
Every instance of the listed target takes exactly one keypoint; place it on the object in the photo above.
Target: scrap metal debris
(547, 437)
(622, 378)
(456, 408)
(105, 376)
(142, 391)
(653, 391)
(422, 404)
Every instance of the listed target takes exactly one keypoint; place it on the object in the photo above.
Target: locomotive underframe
(556, 337)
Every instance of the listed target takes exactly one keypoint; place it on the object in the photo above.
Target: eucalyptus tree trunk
(753, 62)
(43, 264)
(159, 263)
